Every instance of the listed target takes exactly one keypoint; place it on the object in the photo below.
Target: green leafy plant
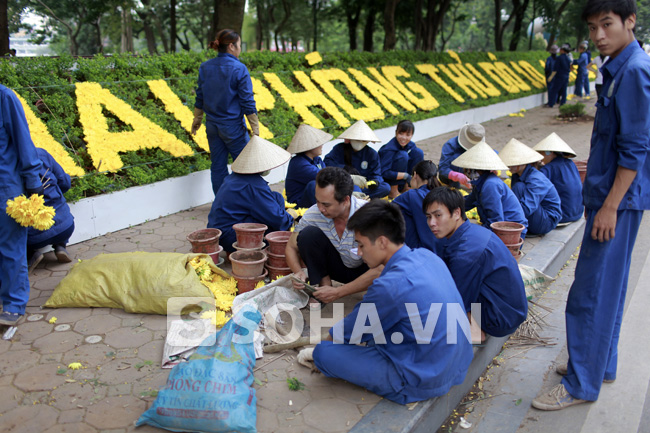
(294, 384)
(572, 110)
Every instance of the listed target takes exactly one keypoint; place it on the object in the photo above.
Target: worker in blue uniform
(225, 94)
(360, 160)
(563, 174)
(398, 157)
(300, 183)
(582, 76)
(418, 234)
(19, 168)
(549, 67)
(616, 192)
(483, 268)
(491, 197)
(468, 136)
(56, 182)
(537, 195)
(399, 361)
(559, 79)
(245, 197)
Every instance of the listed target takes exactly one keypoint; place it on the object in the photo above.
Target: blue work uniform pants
(14, 283)
(308, 198)
(380, 190)
(594, 309)
(579, 85)
(224, 140)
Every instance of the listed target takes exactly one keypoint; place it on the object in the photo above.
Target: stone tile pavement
(121, 352)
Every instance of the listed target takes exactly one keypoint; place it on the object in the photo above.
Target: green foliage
(294, 384)
(572, 110)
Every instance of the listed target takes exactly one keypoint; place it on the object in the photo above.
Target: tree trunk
(390, 39)
(451, 31)
(4, 28)
(163, 36)
(259, 26)
(558, 13)
(280, 27)
(498, 30)
(185, 44)
(98, 31)
(369, 28)
(519, 11)
(353, 13)
(127, 30)
(436, 10)
(230, 14)
(149, 34)
(172, 26)
(315, 8)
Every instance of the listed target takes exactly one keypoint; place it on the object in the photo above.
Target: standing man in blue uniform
(398, 157)
(19, 167)
(468, 136)
(491, 197)
(537, 195)
(245, 197)
(616, 192)
(300, 183)
(548, 70)
(56, 182)
(483, 268)
(399, 361)
(563, 174)
(360, 160)
(225, 94)
(582, 77)
(559, 79)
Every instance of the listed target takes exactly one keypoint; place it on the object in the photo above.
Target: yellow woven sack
(137, 282)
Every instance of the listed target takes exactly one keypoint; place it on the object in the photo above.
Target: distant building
(20, 42)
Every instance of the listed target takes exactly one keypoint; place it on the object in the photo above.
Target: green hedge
(47, 84)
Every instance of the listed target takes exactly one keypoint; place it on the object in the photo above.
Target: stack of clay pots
(206, 241)
(277, 262)
(248, 261)
(582, 169)
(510, 233)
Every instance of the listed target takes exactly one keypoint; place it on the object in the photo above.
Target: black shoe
(34, 261)
(62, 254)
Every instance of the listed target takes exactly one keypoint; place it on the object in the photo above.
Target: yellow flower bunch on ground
(313, 58)
(224, 290)
(472, 213)
(31, 212)
(217, 317)
(75, 365)
(259, 285)
(516, 115)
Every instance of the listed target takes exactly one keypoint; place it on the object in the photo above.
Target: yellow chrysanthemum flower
(52, 321)
(31, 212)
(75, 366)
(217, 317)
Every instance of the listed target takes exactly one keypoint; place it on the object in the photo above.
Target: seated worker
(399, 361)
(418, 234)
(398, 157)
(538, 197)
(493, 200)
(359, 159)
(300, 183)
(483, 268)
(322, 240)
(563, 174)
(55, 182)
(245, 197)
(468, 136)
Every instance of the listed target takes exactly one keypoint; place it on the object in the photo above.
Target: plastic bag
(535, 281)
(137, 282)
(212, 392)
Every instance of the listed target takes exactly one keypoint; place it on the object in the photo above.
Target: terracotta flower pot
(277, 272)
(247, 264)
(582, 169)
(259, 247)
(277, 260)
(509, 232)
(247, 284)
(204, 241)
(519, 255)
(514, 248)
(215, 256)
(278, 242)
(249, 235)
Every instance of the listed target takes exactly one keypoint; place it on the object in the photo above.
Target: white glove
(360, 181)
(306, 358)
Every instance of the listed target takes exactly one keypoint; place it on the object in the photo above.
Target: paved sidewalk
(122, 370)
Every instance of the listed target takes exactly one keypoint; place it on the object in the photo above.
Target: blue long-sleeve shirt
(420, 278)
(19, 163)
(494, 201)
(246, 198)
(582, 61)
(225, 90)
(57, 182)
(563, 174)
(391, 152)
(621, 135)
(485, 272)
(418, 233)
(365, 161)
(302, 170)
(562, 66)
(539, 200)
(450, 151)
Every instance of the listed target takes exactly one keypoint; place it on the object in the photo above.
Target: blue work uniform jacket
(302, 170)
(563, 174)
(582, 61)
(485, 272)
(19, 163)
(394, 159)
(621, 135)
(548, 67)
(562, 66)
(450, 151)
(246, 198)
(365, 161)
(494, 201)
(225, 92)
(539, 200)
(418, 233)
(417, 277)
(57, 182)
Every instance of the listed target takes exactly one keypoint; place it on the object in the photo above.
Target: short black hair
(379, 218)
(448, 197)
(622, 8)
(339, 178)
(405, 126)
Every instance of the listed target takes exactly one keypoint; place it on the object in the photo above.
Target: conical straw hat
(307, 138)
(553, 143)
(517, 153)
(359, 131)
(480, 157)
(469, 135)
(259, 155)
